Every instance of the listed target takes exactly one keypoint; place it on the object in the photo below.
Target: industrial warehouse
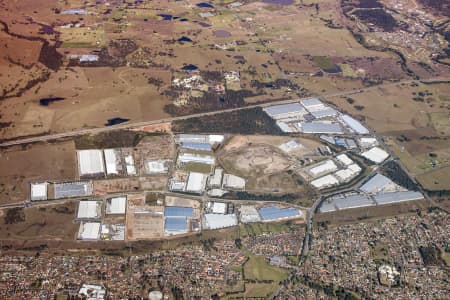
(377, 190)
(169, 186)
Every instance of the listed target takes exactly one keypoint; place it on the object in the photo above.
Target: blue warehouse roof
(273, 213)
(178, 211)
(175, 224)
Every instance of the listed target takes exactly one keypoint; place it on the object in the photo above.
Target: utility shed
(375, 154)
(39, 191)
(116, 205)
(217, 221)
(89, 210)
(90, 162)
(89, 231)
(395, 197)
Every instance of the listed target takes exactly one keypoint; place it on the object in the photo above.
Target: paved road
(78, 132)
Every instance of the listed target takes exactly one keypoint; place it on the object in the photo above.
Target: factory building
(354, 125)
(90, 162)
(376, 155)
(379, 183)
(129, 164)
(273, 213)
(73, 189)
(284, 111)
(233, 182)
(217, 221)
(325, 182)
(352, 201)
(344, 159)
(320, 127)
(116, 205)
(196, 182)
(322, 168)
(89, 231)
(396, 197)
(349, 173)
(185, 158)
(327, 112)
(176, 219)
(313, 104)
(89, 209)
(112, 161)
(249, 214)
(215, 180)
(367, 142)
(157, 166)
(39, 191)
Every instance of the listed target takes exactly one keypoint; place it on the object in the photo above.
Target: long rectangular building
(395, 197)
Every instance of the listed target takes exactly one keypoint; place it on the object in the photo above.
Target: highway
(78, 132)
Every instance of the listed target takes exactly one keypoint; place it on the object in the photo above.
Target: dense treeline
(248, 121)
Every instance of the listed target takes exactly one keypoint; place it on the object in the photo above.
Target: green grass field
(257, 268)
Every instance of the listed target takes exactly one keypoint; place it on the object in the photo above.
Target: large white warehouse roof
(39, 191)
(355, 125)
(116, 205)
(377, 155)
(196, 182)
(322, 168)
(90, 162)
(216, 221)
(325, 181)
(89, 210)
(89, 231)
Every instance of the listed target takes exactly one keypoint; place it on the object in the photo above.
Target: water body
(190, 67)
(47, 101)
(166, 17)
(221, 33)
(115, 121)
(184, 20)
(205, 5)
(184, 39)
(279, 2)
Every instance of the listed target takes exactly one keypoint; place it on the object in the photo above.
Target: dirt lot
(130, 184)
(262, 163)
(52, 222)
(34, 163)
(147, 225)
